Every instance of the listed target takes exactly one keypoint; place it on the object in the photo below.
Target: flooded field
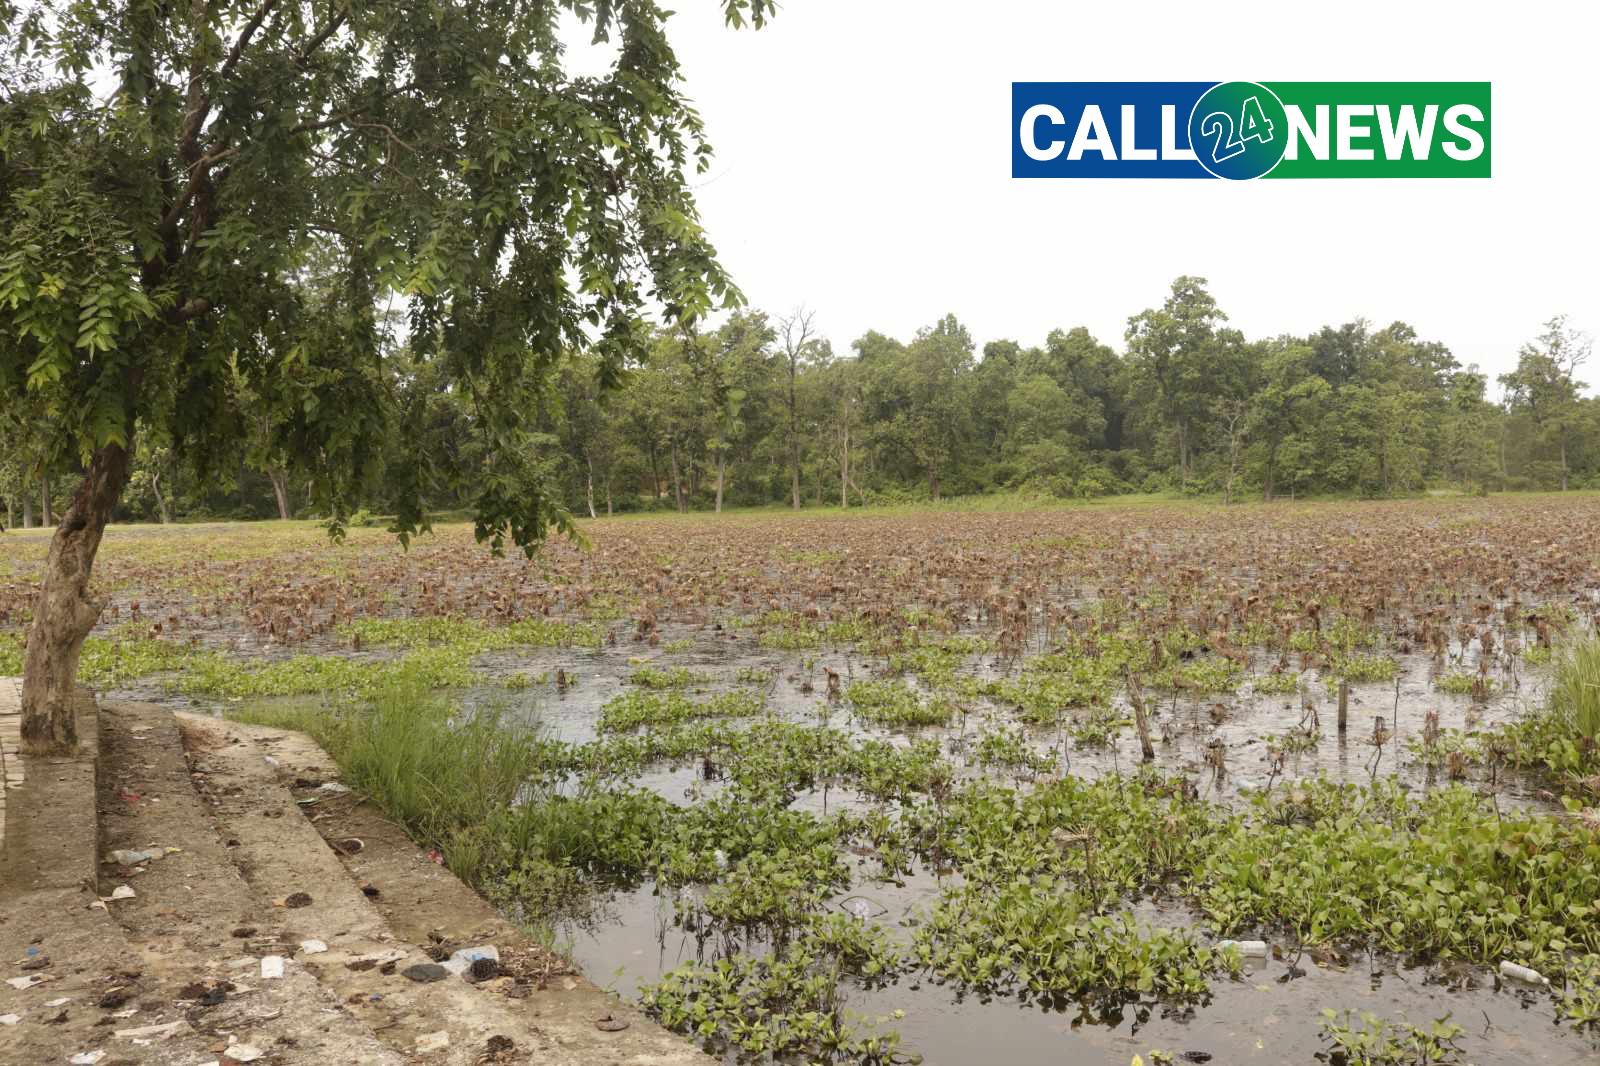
(802, 783)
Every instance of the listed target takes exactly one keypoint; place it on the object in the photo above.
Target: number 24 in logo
(1253, 125)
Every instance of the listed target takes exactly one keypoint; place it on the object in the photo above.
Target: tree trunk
(27, 507)
(1183, 451)
(844, 472)
(677, 477)
(609, 510)
(794, 438)
(11, 511)
(589, 484)
(1270, 475)
(65, 611)
(161, 501)
(280, 489)
(46, 504)
(933, 482)
(1563, 458)
(655, 475)
(722, 470)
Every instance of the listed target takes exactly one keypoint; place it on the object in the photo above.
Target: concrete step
(157, 977)
(538, 1003)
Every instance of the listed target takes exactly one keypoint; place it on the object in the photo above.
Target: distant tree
(1545, 387)
(1290, 398)
(797, 341)
(1177, 347)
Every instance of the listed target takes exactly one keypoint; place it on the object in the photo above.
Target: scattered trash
(426, 972)
(32, 951)
(120, 892)
(242, 1053)
(124, 857)
(464, 960)
(333, 787)
(86, 1058)
(9, 1019)
(271, 967)
(128, 797)
(1250, 949)
(370, 890)
(60, 1001)
(610, 1024)
(1523, 973)
(113, 999)
(157, 1032)
(313, 947)
(350, 845)
(28, 981)
(367, 962)
(861, 907)
(433, 1042)
(270, 761)
(435, 857)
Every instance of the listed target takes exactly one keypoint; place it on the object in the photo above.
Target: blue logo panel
(1104, 129)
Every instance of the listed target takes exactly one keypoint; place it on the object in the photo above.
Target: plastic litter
(333, 787)
(313, 947)
(124, 857)
(270, 761)
(433, 1041)
(59, 1001)
(1523, 974)
(120, 892)
(460, 962)
(1250, 949)
(243, 1053)
(862, 907)
(9, 1019)
(425, 973)
(157, 1031)
(271, 967)
(26, 981)
(87, 1058)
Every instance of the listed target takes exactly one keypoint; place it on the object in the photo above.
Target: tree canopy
(209, 212)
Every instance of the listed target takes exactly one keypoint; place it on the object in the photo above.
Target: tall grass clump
(436, 769)
(1564, 735)
(1575, 693)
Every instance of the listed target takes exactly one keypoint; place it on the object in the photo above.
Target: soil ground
(248, 880)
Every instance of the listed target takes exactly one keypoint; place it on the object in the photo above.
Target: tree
(797, 339)
(1177, 347)
(1543, 384)
(432, 148)
(1288, 399)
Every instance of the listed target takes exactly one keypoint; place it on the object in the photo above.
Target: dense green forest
(763, 410)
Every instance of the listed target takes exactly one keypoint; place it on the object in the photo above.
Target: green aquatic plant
(636, 708)
(786, 1004)
(1367, 1040)
(893, 703)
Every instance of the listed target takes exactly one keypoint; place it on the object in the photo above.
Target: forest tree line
(763, 410)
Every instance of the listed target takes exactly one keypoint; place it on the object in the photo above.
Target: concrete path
(11, 775)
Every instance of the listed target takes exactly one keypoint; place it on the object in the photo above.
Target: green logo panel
(1384, 129)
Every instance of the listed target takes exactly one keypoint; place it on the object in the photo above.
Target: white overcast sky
(864, 156)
